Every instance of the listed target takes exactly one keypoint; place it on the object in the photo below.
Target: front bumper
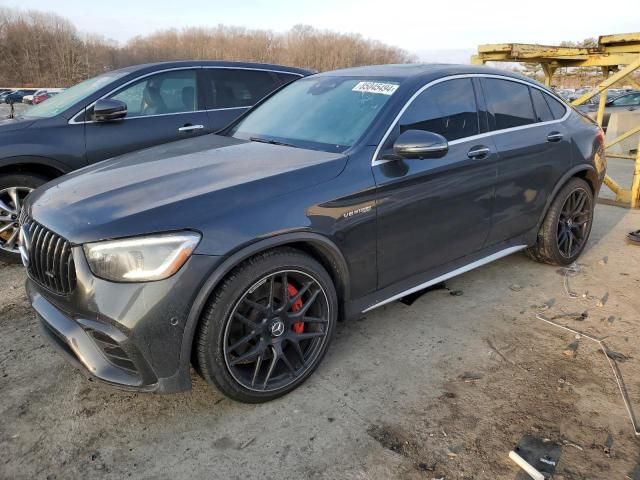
(129, 335)
(69, 337)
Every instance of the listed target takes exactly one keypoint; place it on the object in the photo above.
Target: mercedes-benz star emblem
(277, 328)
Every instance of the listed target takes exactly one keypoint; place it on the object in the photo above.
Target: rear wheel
(13, 190)
(268, 326)
(567, 225)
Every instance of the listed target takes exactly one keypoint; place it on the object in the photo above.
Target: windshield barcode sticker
(376, 87)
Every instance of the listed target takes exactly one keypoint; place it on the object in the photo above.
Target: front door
(434, 211)
(232, 91)
(161, 108)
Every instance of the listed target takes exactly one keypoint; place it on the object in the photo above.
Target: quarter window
(509, 104)
(168, 92)
(543, 112)
(557, 108)
(448, 108)
(232, 88)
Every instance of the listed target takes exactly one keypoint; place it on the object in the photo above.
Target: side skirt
(420, 282)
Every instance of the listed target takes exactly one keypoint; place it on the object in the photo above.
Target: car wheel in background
(567, 225)
(268, 326)
(13, 190)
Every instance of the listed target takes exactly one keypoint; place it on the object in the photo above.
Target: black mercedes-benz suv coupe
(119, 112)
(342, 192)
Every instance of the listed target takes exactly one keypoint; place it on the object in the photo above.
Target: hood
(175, 186)
(11, 124)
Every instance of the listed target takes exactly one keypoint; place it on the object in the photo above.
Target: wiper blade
(271, 142)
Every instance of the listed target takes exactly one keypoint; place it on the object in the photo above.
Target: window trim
(73, 120)
(375, 161)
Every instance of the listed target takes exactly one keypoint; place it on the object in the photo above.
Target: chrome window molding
(375, 161)
(73, 120)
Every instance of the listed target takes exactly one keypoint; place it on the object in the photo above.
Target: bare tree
(44, 49)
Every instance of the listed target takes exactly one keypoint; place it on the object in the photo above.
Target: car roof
(146, 67)
(424, 71)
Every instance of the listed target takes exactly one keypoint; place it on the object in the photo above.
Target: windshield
(62, 101)
(320, 113)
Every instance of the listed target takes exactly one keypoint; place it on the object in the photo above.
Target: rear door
(161, 107)
(232, 91)
(534, 152)
(434, 211)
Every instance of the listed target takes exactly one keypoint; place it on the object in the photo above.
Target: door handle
(478, 152)
(554, 137)
(190, 128)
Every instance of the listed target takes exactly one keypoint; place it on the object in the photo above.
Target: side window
(168, 92)
(509, 103)
(448, 108)
(543, 112)
(239, 88)
(626, 100)
(557, 109)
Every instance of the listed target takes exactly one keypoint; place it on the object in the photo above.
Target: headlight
(141, 259)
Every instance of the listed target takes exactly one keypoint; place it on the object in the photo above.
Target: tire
(563, 235)
(11, 185)
(252, 345)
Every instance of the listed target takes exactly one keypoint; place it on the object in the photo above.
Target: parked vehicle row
(16, 96)
(628, 102)
(41, 95)
(153, 104)
(337, 194)
(28, 96)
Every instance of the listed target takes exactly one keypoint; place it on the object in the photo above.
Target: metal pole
(635, 183)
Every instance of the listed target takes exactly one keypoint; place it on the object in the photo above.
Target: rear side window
(448, 108)
(232, 88)
(509, 103)
(543, 112)
(557, 109)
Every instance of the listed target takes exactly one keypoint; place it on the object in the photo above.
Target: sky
(433, 30)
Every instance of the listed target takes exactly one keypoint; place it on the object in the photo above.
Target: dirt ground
(440, 389)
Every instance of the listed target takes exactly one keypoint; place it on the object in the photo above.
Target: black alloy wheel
(276, 331)
(566, 227)
(574, 222)
(267, 326)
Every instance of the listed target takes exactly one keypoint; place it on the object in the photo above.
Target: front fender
(328, 250)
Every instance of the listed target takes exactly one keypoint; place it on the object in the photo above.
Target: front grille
(51, 260)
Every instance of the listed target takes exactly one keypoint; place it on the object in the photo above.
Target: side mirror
(419, 144)
(106, 110)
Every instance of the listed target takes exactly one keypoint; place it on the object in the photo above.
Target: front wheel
(268, 326)
(13, 190)
(567, 225)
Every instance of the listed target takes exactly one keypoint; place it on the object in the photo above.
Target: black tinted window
(287, 77)
(557, 108)
(543, 112)
(239, 88)
(509, 103)
(447, 108)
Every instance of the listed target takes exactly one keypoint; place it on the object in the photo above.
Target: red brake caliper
(297, 327)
